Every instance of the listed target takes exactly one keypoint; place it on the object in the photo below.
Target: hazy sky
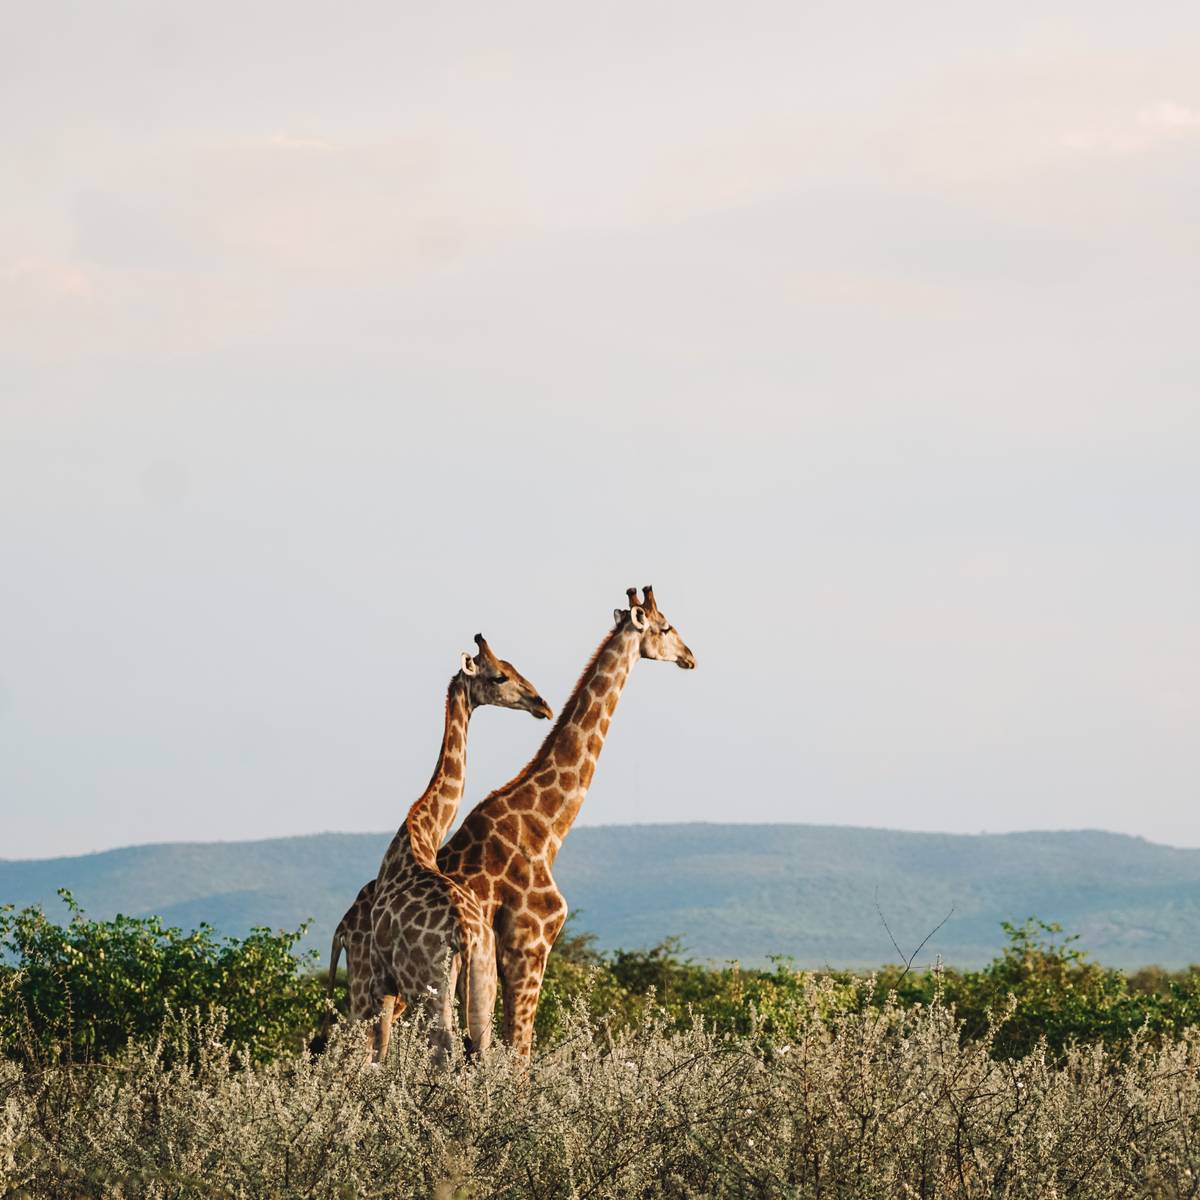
(867, 333)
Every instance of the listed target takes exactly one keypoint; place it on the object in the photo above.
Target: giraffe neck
(431, 816)
(551, 790)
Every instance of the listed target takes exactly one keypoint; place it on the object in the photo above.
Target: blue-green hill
(731, 891)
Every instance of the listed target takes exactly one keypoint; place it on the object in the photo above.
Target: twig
(908, 961)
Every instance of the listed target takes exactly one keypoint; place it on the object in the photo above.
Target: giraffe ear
(618, 615)
(468, 665)
(638, 618)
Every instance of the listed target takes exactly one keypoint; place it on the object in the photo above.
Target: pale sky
(867, 333)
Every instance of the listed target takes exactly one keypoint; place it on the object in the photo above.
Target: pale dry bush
(886, 1103)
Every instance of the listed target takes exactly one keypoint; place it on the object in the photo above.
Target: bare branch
(908, 959)
(887, 926)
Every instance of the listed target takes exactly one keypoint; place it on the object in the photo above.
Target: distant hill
(730, 891)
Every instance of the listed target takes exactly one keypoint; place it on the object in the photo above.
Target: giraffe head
(659, 639)
(491, 680)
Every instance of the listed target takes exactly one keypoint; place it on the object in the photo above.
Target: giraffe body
(505, 849)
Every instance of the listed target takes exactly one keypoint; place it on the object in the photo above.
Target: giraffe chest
(533, 916)
(528, 885)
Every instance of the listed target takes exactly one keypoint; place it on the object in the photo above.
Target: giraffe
(505, 849)
(423, 928)
(438, 805)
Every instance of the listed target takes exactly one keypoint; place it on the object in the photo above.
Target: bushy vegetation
(84, 989)
(858, 1101)
(1058, 995)
(140, 1061)
(1040, 988)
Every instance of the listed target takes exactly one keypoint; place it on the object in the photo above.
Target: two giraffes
(484, 909)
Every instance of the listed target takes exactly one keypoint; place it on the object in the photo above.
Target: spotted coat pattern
(410, 932)
(505, 849)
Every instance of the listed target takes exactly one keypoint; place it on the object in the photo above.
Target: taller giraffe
(505, 849)
(481, 680)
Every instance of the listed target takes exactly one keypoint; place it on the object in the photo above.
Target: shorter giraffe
(424, 929)
(353, 933)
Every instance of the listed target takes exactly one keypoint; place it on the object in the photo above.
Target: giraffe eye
(500, 679)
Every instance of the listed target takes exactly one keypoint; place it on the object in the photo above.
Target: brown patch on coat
(517, 874)
(550, 801)
(494, 858)
(567, 750)
(534, 830)
(542, 904)
(508, 828)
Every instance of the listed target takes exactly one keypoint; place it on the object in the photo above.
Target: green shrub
(1058, 994)
(89, 986)
(86, 988)
(1040, 987)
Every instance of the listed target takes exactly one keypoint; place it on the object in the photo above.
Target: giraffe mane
(437, 766)
(564, 713)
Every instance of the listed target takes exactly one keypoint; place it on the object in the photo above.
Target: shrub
(1058, 995)
(1041, 987)
(86, 988)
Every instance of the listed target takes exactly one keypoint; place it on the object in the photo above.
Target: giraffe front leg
(381, 1000)
(479, 999)
(523, 939)
(381, 1033)
(436, 987)
(522, 973)
(508, 996)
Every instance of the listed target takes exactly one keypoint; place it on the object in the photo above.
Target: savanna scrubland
(142, 1061)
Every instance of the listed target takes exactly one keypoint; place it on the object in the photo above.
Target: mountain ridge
(730, 891)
